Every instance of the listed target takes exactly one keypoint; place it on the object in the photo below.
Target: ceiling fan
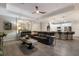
(38, 11)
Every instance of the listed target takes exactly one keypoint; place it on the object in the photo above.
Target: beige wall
(35, 26)
(11, 34)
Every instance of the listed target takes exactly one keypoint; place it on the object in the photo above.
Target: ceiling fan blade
(42, 12)
(33, 12)
(37, 11)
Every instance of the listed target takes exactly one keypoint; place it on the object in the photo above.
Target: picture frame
(7, 26)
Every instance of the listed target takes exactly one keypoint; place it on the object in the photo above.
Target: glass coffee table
(33, 41)
(27, 44)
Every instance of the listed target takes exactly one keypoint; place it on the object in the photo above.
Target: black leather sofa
(45, 39)
(24, 33)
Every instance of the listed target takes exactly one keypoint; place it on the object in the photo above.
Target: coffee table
(29, 43)
(34, 42)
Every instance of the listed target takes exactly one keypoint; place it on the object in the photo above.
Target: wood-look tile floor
(62, 48)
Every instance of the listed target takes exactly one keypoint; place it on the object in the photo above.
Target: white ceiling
(48, 7)
(26, 9)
